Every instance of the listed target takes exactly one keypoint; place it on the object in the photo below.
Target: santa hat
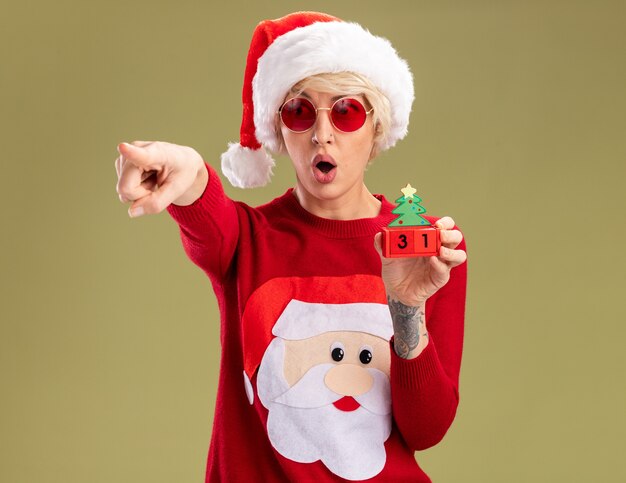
(297, 308)
(285, 51)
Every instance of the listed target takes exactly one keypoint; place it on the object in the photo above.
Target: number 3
(404, 243)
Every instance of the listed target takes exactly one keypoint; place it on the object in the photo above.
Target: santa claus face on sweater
(328, 392)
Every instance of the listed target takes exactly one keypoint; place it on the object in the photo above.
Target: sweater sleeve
(209, 228)
(424, 390)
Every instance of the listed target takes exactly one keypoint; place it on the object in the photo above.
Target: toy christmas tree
(410, 235)
(409, 209)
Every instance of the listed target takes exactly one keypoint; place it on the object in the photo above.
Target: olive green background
(109, 346)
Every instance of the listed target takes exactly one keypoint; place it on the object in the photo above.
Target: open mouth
(325, 167)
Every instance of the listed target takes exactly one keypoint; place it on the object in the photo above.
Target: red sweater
(259, 258)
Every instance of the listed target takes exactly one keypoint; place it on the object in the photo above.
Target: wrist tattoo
(408, 323)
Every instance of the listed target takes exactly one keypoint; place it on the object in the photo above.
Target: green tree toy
(409, 209)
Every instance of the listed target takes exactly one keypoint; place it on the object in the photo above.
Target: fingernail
(135, 212)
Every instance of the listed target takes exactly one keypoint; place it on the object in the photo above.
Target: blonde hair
(351, 84)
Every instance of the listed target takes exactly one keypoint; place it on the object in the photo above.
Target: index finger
(445, 223)
(138, 155)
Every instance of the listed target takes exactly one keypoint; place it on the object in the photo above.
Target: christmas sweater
(310, 388)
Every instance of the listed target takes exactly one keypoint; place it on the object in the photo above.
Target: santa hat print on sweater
(286, 50)
(297, 308)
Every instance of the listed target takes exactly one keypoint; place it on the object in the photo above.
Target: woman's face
(329, 163)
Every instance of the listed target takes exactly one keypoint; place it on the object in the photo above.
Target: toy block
(411, 241)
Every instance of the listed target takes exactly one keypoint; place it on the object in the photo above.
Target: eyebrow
(334, 98)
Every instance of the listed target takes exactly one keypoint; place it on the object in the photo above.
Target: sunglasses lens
(298, 114)
(348, 115)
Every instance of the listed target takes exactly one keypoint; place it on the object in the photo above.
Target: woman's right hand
(154, 174)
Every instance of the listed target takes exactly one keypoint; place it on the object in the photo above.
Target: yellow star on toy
(408, 191)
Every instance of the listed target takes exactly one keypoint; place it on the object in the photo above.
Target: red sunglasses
(346, 114)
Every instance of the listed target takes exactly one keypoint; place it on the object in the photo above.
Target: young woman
(337, 363)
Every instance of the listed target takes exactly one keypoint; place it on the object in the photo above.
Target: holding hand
(152, 175)
(409, 282)
(412, 280)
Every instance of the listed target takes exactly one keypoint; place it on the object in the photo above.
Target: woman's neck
(355, 204)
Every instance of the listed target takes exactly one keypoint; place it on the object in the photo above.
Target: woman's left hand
(412, 281)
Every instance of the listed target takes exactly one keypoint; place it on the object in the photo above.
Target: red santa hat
(285, 51)
(297, 308)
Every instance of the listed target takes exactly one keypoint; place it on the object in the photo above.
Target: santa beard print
(303, 424)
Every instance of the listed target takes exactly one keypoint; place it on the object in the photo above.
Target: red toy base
(411, 241)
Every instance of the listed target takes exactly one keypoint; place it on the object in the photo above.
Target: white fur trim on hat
(301, 320)
(245, 167)
(329, 47)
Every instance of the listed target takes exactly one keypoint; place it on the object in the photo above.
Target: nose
(323, 128)
(349, 380)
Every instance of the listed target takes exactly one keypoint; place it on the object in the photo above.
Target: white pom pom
(245, 167)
